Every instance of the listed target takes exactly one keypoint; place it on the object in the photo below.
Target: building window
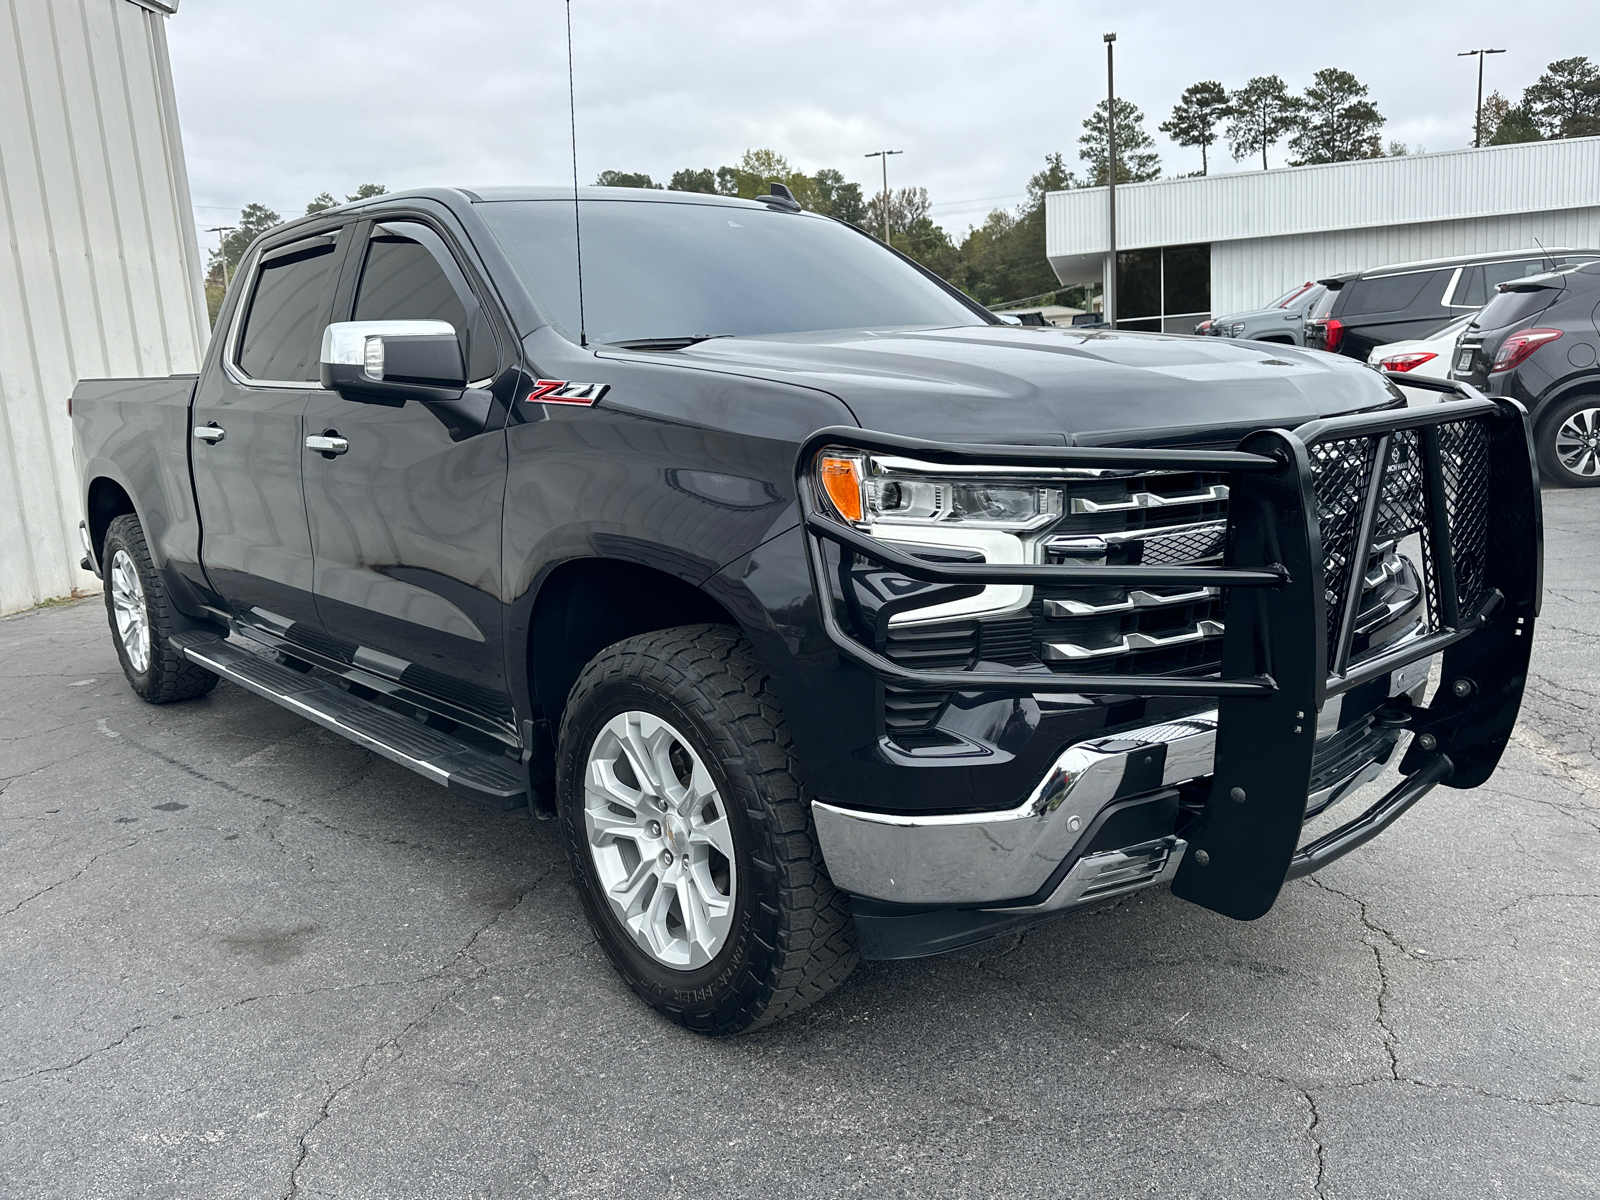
(1164, 289)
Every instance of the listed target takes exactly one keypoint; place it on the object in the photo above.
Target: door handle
(328, 443)
(210, 433)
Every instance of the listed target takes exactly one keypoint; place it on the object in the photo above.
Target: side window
(283, 326)
(1396, 293)
(1470, 292)
(410, 276)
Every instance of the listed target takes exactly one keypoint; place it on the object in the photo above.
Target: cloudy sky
(282, 99)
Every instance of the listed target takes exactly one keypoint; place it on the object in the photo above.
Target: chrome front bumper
(1004, 858)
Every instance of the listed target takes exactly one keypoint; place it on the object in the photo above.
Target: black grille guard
(1305, 509)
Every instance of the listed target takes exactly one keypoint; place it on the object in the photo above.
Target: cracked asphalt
(242, 957)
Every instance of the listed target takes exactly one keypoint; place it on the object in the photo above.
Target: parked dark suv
(1537, 341)
(1409, 300)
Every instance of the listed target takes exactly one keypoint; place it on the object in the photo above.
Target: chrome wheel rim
(659, 839)
(128, 608)
(1578, 443)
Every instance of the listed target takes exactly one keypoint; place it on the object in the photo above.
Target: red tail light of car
(1516, 348)
(1406, 362)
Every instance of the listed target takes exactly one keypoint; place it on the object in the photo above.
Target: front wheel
(1568, 442)
(691, 843)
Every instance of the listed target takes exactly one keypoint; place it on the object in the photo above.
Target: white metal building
(100, 273)
(1188, 248)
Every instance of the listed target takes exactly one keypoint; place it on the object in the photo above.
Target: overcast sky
(282, 99)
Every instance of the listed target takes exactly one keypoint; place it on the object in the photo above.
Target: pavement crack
(62, 882)
(77, 1062)
(1391, 1040)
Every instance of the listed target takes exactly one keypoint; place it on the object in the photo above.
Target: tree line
(1002, 260)
(1564, 102)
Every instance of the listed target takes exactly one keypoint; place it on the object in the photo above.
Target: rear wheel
(141, 620)
(1568, 442)
(691, 843)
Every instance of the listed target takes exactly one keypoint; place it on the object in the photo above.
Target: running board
(490, 779)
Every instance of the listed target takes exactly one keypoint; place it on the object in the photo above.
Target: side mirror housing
(393, 360)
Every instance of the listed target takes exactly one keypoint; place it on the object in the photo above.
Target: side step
(490, 779)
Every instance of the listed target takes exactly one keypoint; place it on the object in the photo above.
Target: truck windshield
(663, 271)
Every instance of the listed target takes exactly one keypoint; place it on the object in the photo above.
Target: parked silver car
(1281, 321)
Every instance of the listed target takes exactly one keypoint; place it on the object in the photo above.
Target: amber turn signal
(841, 479)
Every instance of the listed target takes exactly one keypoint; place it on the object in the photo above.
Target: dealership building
(1193, 247)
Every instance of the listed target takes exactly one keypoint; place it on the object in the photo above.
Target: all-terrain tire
(167, 676)
(792, 939)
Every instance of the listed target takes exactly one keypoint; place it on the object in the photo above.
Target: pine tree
(1196, 116)
(1262, 111)
(1337, 122)
(1565, 100)
(1137, 160)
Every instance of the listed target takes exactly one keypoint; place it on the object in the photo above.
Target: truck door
(405, 523)
(247, 444)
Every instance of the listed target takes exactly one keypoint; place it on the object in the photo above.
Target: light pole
(884, 154)
(1477, 120)
(1109, 291)
(222, 249)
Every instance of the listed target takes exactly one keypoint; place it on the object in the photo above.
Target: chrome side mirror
(404, 360)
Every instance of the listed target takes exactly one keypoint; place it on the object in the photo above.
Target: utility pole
(884, 154)
(1477, 120)
(222, 249)
(1109, 292)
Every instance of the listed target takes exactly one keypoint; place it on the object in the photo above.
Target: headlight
(867, 489)
(1234, 330)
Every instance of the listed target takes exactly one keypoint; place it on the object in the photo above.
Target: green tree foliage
(1003, 259)
(1137, 160)
(1337, 122)
(907, 206)
(1261, 113)
(367, 191)
(1565, 101)
(838, 198)
(625, 179)
(689, 180)
(1202, 107)
(321, 203)
(1517, 125)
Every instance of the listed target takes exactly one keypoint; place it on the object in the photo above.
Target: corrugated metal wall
(1459, 184)
(1246, 274)
(99, 266)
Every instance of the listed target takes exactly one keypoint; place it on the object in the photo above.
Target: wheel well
(107, 502)
(1276, 339)
(590, 603)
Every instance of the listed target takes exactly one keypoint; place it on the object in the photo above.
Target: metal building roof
(1411, 189)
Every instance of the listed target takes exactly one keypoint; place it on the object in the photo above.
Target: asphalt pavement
(240, 957)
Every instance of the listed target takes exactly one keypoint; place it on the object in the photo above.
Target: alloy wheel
(1578, 442)
(128, 605)
(659, 839)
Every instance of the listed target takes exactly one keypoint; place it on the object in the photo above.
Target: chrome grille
(1148, 520)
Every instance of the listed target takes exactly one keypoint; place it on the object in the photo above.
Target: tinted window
(1186, 279)
(1138, 285)
(1478, 283)
(1395, 293)
(1514, 308)
(283, 331)
(404, 280)
(661, 270)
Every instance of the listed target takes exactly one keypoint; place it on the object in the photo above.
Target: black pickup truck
(830, 616)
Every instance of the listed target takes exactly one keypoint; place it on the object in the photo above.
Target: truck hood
(1055, 386)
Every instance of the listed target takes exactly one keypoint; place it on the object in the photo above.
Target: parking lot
(242, 957)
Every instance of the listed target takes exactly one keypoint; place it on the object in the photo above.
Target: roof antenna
(1536, 242)
(577, 225)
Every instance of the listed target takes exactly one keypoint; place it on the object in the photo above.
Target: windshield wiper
(668, 343)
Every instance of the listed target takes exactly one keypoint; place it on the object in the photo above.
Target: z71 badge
(564, 391)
